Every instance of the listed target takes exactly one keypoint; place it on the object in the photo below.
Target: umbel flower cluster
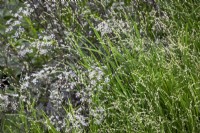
(42, 36)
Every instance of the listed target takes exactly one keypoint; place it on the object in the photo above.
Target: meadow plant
(100, 66)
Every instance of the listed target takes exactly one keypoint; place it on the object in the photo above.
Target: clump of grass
(153, 88)
(131, 73)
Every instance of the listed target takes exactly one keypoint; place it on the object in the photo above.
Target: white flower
(34, 81)
(43, 51)
(104, 28)
(92, 74)
(58, 129)
(10, 28)
(26, 13)
(25, 85)
(22, 53)
(9, 21)
(107, 80)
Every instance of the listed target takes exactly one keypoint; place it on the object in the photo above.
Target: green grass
(151, 91)
(152, 87)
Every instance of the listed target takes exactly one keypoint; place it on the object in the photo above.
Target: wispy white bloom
(104, 28)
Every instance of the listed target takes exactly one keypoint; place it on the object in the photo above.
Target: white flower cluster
(113, 26)
(53, 87)
(8, 103)
(14, 24)
(98, 114)
(4, 102)
(58, 122)
(104, 28)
